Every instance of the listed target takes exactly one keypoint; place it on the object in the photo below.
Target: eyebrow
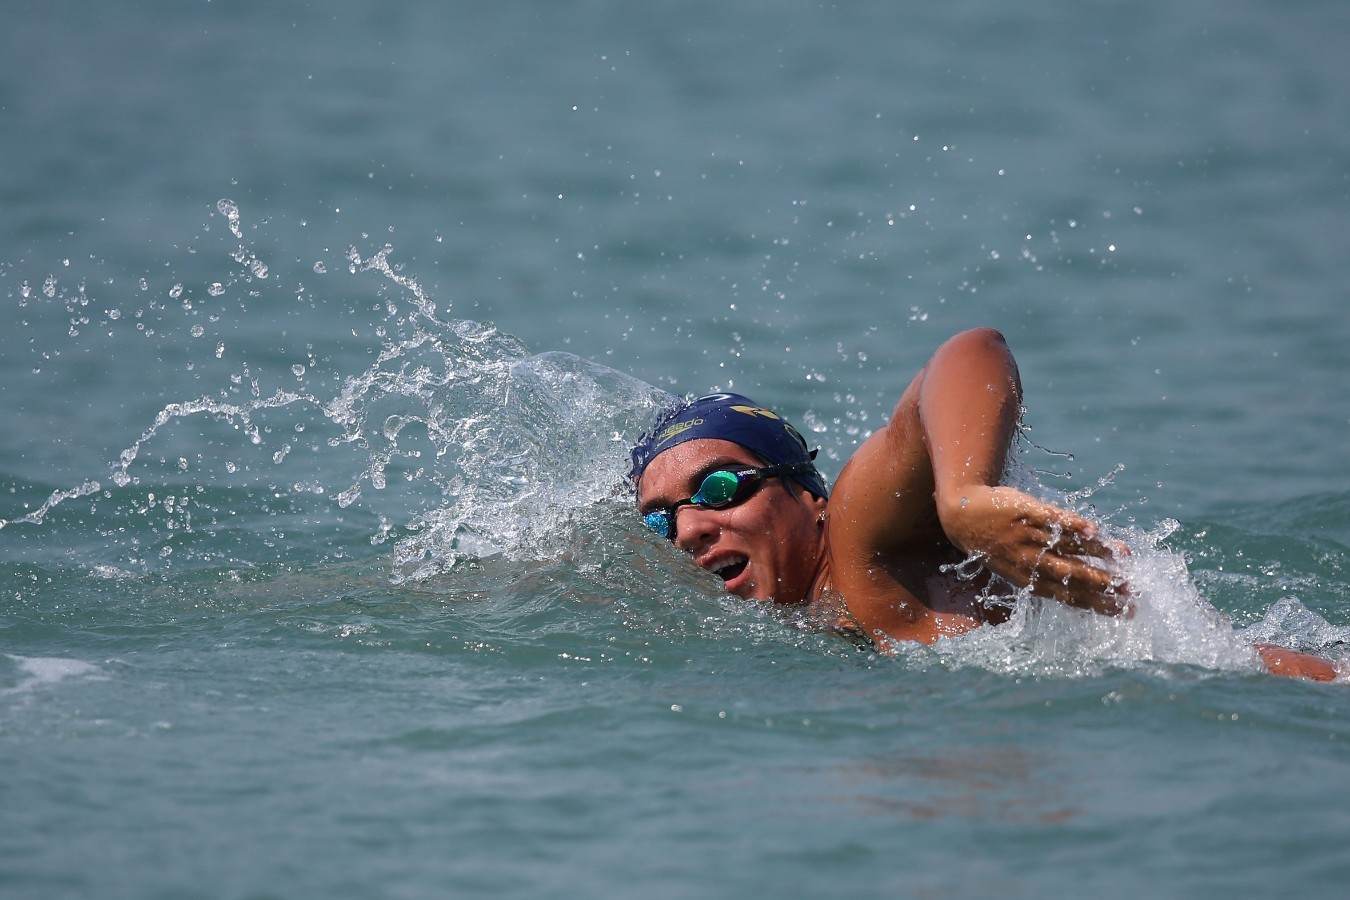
(696, 478)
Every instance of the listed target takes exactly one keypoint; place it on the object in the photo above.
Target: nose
(695, 528)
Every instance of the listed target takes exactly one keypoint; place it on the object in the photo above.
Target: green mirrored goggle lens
(717, 489)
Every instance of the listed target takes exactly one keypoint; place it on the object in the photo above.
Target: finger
(1071, 581)
(1045, 515)
(1076, 523)
(1036, 567)
(1076, 583)
(1071, 543)
(1079, 544)
(1078, 535)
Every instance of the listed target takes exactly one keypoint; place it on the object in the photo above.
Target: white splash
(492, 446)
(1291, 624)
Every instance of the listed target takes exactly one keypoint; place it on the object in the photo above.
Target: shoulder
(885, 490)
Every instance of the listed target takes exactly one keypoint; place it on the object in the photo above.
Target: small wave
(39, 671)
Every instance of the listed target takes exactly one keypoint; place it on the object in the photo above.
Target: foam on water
(1173, 624)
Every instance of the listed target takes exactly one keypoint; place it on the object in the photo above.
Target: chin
(749, 592)
(779, 598)
(752, 592)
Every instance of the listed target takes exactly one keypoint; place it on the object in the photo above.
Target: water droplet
(230, 211)
(298, 370)
(176, 291)
(231, 468)
(198, 331)
(216, 289)
(319, 267)
(220, 350)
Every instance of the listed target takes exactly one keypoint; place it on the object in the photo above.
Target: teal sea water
(324, 328)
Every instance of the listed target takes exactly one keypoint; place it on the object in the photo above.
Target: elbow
(984, 332)
(983, 350)
(982, 339)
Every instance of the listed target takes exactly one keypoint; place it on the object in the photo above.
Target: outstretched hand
(1282, 661)
(1036, 545)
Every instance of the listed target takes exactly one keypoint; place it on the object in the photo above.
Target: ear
(815, 504)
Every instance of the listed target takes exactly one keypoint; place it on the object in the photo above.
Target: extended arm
(929, 479)
(968, 405)
(935, 467)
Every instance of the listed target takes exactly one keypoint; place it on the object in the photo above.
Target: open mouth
(731, 567)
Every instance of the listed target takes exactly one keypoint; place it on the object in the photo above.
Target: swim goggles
(719, 490)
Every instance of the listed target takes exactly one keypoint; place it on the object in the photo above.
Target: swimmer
(733, 485)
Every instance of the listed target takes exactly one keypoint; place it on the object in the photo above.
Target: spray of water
(494, 445)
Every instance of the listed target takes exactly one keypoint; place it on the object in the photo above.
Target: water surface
(324, 332)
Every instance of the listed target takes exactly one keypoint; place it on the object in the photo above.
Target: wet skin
(918, 497)
(781, 532)
(923, 491)
(778, 529)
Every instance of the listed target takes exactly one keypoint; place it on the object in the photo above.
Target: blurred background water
(323, 331)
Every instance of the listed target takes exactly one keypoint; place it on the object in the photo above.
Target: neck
(820, 579)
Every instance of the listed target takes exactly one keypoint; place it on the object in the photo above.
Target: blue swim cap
(735, 418)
